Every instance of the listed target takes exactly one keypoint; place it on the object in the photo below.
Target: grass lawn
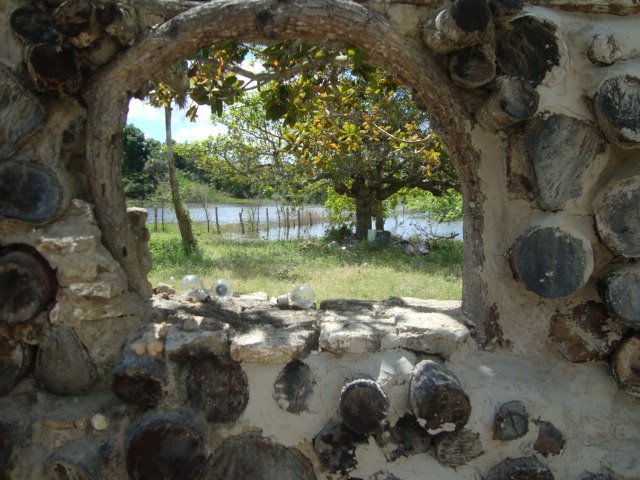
(363, 271)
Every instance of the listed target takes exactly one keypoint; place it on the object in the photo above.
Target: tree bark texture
(182, 216)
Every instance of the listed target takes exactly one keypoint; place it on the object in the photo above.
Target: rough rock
(458, 448)
(511, 421)
(268, 344)
(550, 439)
(405, 438)
(192, 343)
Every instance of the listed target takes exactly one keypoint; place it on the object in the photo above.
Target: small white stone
(138, 347)
(99, 422)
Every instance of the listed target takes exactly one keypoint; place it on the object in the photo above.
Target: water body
(313, 219)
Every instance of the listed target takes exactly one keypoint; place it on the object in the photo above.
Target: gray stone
(560, 149)
(617, 217)
(435, 333)
(21, 113)
(604, 50)
(180, 343)
(550, 439)
(511, 421)
(269, 344)
(349, 336)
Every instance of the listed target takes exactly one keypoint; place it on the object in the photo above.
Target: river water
(310, 221)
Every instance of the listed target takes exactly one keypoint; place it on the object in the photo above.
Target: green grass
(363, 271)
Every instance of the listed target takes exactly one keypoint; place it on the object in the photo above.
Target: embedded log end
(33, 26)
(363, 406)
(522, 468)
(80, 460)
(437, 397)
(511, 421)
(472, 67)
(552, 262)
(458, 448)
(335, 447)
(550, 439)
(512, 101)
(27, 285)
(16, 360)
(625, 364)
(617, 110)
(619, 293)
(139, 379)
(617, 218)
(293, 387)
(54, 71)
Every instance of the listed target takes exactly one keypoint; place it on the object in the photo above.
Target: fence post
(217, 222)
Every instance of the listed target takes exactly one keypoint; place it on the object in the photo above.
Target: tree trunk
(184, 222)
(364, 210)
(378, 212)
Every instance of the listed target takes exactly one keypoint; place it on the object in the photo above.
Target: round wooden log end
(164, 446)
(363, 406)
(550, 439)
(588, 333)
(55, 71)
(528, 49)
(522, 468)
(139, 380)
(33, 25)
(625, 364)
(550, 138)
(218, 387)
(604, 50)
(511, 421)
(512, 101)
(620, 292)
(552, 262)
(30, 192)
(73, 17)
(617, 108)
(79, 460)
(404, 439)
(61, 346)
(335, 447)
(293, 387)
(618, 220)
(27, 284)
(437, 397)
(471, 15)
(253, 457)
(472, 67)
(458, 448)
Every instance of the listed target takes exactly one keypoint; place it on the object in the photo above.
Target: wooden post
(310, 219)
(268, 226)
(155, 218)
(437, 396)
(299, 220)
(241, 222)
(27, 285)
(217, 222)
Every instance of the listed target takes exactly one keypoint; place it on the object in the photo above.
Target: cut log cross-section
(618, 218)
(80, 460)
(16, 359)
(139, 379)
(437, 396)
(512, 101)
(463, 23)
(55, 71)
(552, 262)
(625, 364)
(617, 108)
(620, 292)
(472, 67)
(363, 406)
(27, 285)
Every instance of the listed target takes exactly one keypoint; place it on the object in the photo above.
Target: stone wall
(534, 375)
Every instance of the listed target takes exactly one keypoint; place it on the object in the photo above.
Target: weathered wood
(552, 262)
(619, 291)
(27, 285)
(252, 457)
(527, 48)
(335, 447)
(218, 387)
(63, 365)
(618, 220)
(463, 23)
(80, 460)
(560, 149)
(586, 334)
(33, 25)
(625, 364)
(405, 438)
(293, 387)
(139, 379)
(550, 439)
(604, 50)
(512, 101)
(167, 446)
(16, 360)
(437, 396)
(472, 67)
(522, 468)
(54, 70)
(458, 448)
(31, 192)
(76, 20)
(617, 108)
(511, 421)
(21, 113)
(6, 446)
(506, 8)
(363, 406)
